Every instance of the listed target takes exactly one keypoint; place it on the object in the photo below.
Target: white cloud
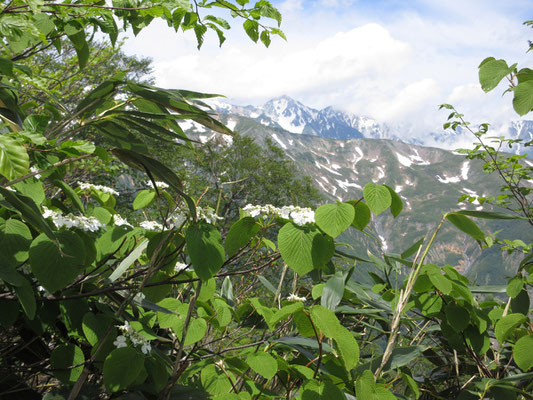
(396, 63)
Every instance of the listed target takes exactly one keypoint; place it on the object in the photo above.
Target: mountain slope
(429, 181)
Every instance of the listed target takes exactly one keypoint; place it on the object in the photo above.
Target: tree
(242, 173)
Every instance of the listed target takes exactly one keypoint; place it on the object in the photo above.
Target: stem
(403, 298)
(165, 394)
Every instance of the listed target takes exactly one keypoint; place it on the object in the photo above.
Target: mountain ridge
(295, 117)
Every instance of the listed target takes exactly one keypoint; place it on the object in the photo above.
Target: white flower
(180, 267)
(158, 184)
(119, 221)
(151, 225)
(105, 189)
(135, 337)
(120, 342)
(146, 348)
(60, 220)
(298, 215)
(293, 297)
(207, 214)
(35, 169)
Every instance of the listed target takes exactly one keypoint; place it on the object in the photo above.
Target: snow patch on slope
(446, 179)
(344, 185)
(464, 170)
(277, 139)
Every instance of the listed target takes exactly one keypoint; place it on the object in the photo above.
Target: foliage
(242, 172)
(95, 307)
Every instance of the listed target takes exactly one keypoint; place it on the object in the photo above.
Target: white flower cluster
(299, 215)
(158, 184)
(180, 267)
(105, 189)
(293, 297)
(119, 221)
(207, 214)
(35, 169)
(136, 339)
(151, 225)
(59, 219)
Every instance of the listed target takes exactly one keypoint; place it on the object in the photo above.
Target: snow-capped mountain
(292, 116)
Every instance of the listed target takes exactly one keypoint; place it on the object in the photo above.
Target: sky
(392, 60)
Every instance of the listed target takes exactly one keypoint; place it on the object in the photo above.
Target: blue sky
(391, 60)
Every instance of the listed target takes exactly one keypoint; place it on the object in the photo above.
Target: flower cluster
(151, 225)
(135, 338)
(119, 221)
(158, 184)
(299, 215)
(105, 189)
(35, 169)
(207, 214)
(59, 219)
(293, 297)
(180, 267)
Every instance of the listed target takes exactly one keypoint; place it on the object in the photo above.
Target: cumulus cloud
(396, 65)
(360, 53)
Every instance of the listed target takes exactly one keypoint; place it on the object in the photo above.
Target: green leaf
(195, 332)
(491, 72)
(333, 292)
(523, 98)
(63, 358)
(240, 234)
(55, 265)
(377, 197)
(263, 363)
(362, 215)
(325, 320)
(514, 287)
(26, 296)
(204, 246)
(347, 347)
(116, 376)
(26, 206)
(143, 199)
(286, 311)
(458, 317)
(265, 38)
(440, 281)
(466, 225)
(71, 194)
(334, 218)
(251, 28)
(396, 202)
(94, 326)
(410, 382)
(266, 283)
(523, 354)
(304, 248)
(128, 261)
(505, 326)
(14, 160)
(15, 236)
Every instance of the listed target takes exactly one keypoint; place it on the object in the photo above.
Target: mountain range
(292, 116)
(343, 152)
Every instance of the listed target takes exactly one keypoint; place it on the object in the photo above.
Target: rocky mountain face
(342, 153)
